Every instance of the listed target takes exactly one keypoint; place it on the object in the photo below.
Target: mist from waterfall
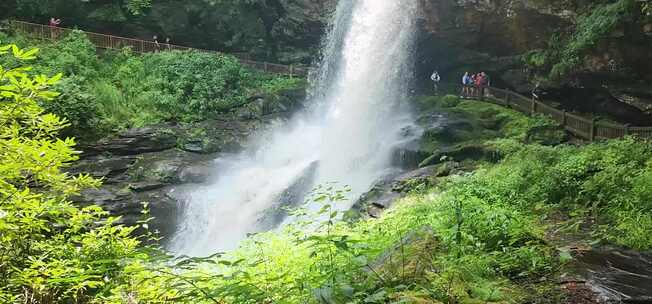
(352, 123)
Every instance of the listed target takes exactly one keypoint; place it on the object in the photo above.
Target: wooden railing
(104, 41)
(589, 129)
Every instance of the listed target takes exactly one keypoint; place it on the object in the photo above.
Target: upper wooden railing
(589, 129)
(104, 41)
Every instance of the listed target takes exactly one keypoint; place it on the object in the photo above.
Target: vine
(564, 55)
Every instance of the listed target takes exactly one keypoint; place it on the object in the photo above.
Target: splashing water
(347, 135)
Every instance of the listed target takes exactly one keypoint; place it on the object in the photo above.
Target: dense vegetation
(121, 89)
(565, 52)
(470, 238)
(473, 237)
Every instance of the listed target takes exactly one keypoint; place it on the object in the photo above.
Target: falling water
(347, 134)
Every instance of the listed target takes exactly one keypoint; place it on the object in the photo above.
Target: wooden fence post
(265, 66)
(592, 132)
(533, 108)
(563, 118)
(291, 71)
(626, 129)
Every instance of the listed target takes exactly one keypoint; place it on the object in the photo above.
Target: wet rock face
(130, 181)
(490, 35)
(136, 141)
(146, 165)
(613, 275)
(458, 35)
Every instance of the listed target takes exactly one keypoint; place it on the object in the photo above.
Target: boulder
(614, 275)
(136, 141)
(110, 168)
(129, 203)
(395, 186)
(462, 152)
(170, 167)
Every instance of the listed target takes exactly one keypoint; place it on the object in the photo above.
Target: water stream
(346, 134)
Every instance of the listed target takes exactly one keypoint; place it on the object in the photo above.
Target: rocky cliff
(607, 42)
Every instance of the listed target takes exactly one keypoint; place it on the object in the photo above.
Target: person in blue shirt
(467, 82)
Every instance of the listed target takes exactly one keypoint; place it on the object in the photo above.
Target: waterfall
(346, 134)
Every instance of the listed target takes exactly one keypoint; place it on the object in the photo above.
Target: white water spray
(346, 136)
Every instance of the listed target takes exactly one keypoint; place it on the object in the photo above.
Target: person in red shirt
(478, 85)
(54, 23)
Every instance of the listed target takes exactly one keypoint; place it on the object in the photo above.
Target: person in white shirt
(436, 79)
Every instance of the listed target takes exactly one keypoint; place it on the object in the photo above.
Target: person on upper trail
(54, 23)
(167, 43)
(466, 85)
(487, 79)
(472, 85)
(436, 79)
(157, 46)
(480, 83)
(484, 83)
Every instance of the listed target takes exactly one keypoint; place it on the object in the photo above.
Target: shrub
(52, 252)
(76, 105)
(72, 55)
(121, 89)
(449, 101)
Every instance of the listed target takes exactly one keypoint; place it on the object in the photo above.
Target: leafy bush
(52, 252)
(450, 101)
(121, 90)
(76, 105)
(201, 83)
(604, 180)
(73, 55)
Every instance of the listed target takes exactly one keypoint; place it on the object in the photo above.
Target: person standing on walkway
(435, 79)
(54, 23)
(484, 82)
(466, 85)
(157, 46)
(167, 43)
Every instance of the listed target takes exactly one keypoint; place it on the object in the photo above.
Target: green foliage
(604, 181)
(50, 251)
(450, 101)
(121, 90)
(564, 55)
(75, 103)
(199, 82)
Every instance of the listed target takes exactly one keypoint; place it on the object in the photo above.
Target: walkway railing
(104, 41)
(589, 129)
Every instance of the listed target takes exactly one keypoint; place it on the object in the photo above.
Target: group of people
(473, 85)
(158, 45)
